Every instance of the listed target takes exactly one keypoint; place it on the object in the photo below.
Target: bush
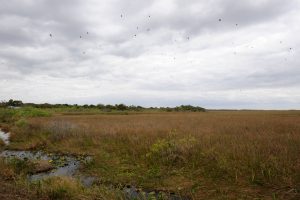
(12, 115)
(172, 150)
(32, 112)
(7, 115)
(21, 123)
(60, 188)
(21, 166)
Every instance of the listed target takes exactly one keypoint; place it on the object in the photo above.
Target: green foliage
(172, 150)
(10, 115)
(121, 107)
(21, 166)
(100, 107)
(59, 193)
(7, 115)
(189, 108)
(21, 123)
(32, 112)
(60, 188)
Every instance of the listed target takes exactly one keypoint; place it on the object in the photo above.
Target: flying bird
(87, 33)
(80, 36)
(121, 15)
(220, 19)
(50, 35)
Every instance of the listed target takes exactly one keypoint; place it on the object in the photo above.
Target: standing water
(4, 137)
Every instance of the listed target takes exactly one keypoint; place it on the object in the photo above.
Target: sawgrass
(212, 155)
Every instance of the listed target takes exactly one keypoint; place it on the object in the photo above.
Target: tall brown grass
(205, 155)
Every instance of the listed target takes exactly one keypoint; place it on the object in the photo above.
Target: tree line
(118, 107)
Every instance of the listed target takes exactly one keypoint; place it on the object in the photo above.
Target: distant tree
(92, 106)
(15, 103)
(168, 109)
(3, 104)
(189, 108)
(121, 106)
(110, 107)
(100, 106)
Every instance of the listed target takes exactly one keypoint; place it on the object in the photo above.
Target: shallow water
(24, 155)
(4, 137)
(64, 165)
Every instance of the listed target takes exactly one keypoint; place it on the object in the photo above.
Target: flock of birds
(148, 29)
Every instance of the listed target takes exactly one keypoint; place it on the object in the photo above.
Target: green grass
(8, 115)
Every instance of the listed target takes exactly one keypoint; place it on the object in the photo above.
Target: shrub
(171, 150)
(7, 115)
(60, 188)
(21, 166)
(12, 115)
(32, 112)
(21, 123)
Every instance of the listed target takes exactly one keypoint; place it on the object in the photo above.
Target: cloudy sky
(210, 53)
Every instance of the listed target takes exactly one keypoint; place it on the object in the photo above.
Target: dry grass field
(210, 155)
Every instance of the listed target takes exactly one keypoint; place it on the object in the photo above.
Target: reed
(228, 154)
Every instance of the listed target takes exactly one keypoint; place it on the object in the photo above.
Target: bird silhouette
(80, 36)
(50, 35)
(220, 20)
(87, 33)
(121, 15)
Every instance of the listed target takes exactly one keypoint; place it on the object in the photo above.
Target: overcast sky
(210, 53)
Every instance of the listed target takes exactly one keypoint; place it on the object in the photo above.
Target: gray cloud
(181, 54)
